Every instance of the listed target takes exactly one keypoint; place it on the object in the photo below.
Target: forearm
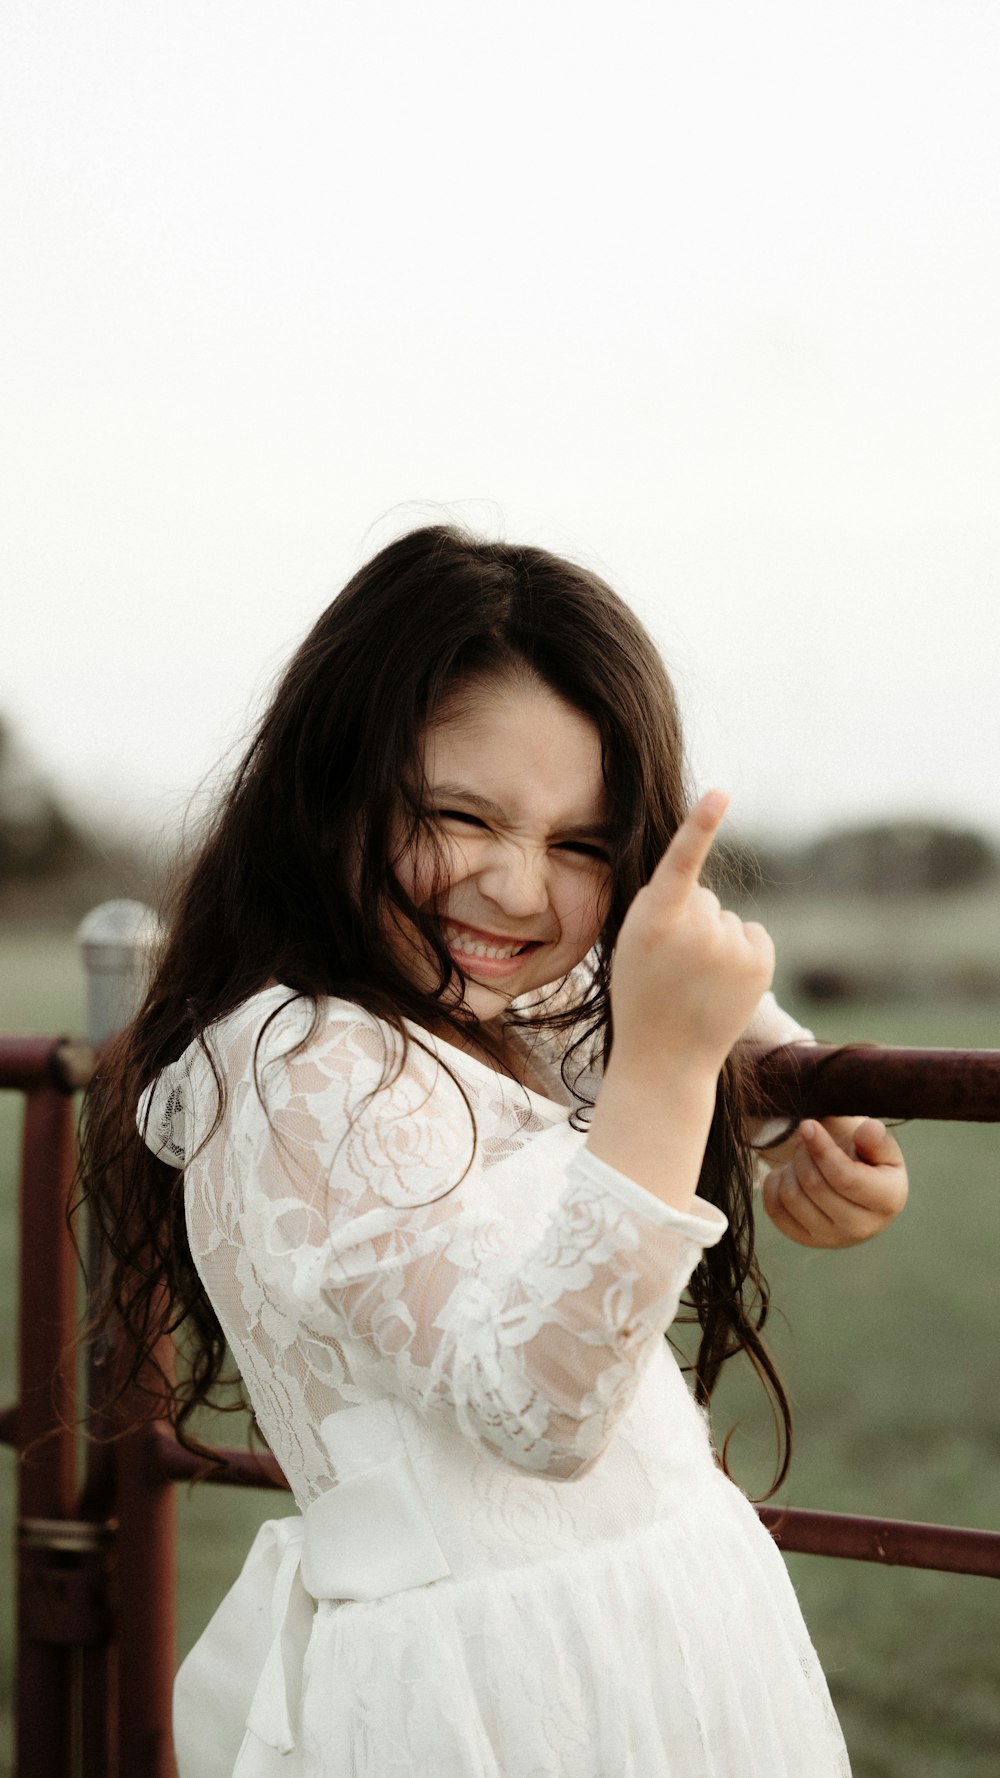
(541, 1373)
(653, 1125)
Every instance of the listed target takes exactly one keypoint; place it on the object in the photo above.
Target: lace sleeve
(772, 1026)
(769, 1025)
(531, 1344)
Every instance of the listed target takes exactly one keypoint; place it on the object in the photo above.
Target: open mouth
(463, 944)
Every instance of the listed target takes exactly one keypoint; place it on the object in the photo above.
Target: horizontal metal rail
(901, 1543)
(170, 1461)
(795, 1080)
(866, 1080)
(97, 1567)
(63, 1062)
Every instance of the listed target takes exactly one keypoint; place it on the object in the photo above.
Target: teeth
(470, 947)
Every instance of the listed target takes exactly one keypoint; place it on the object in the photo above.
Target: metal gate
(96, 1559)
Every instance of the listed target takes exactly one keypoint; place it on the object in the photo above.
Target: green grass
(889, 1351)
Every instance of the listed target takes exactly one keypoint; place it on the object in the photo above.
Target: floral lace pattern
(355, 1247)
(515, 1556)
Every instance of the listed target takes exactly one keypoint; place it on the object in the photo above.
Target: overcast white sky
(703, 295)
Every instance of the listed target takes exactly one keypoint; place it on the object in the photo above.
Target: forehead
(525, 749)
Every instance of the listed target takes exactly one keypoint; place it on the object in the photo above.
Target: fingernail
(808, 1129)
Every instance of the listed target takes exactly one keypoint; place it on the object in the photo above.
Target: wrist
(682, 1071)
(652, 1125)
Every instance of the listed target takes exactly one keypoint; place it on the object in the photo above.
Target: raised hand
(687, 973)
(685, 977)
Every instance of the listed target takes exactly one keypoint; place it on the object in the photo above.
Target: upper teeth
(471, 947)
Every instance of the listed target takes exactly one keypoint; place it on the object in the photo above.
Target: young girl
(440, 1094)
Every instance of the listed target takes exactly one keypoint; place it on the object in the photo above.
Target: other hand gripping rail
(96, 1561)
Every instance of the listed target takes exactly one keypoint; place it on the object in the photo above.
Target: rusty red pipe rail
(171, 1462)
(45, 1413)
(147, 1570)
(811, 1080)
(867, 1080)
(902, 1542)
(792, 1082)
(62, 1062)
(25, 1062)
(814, 1080)
(895, 1542)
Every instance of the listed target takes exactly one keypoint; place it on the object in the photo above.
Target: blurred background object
(54, 863)
(703, 297)
(889, 1349)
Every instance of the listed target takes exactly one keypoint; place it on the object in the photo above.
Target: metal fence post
(117, 940)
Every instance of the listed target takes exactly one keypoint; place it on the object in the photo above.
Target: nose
(516, 880)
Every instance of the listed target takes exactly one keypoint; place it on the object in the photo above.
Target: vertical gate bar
(99, 1664)
(98, 1713)
(147, 1600)
(126, 1688)
(46, 1473)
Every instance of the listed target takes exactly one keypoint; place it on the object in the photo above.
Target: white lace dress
(514, 1555)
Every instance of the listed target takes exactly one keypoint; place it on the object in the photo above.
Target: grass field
(890, 1354)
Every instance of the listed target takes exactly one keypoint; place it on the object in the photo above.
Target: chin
(485, 1003)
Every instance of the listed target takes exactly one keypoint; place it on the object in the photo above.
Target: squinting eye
(589, 851)
(458, 815)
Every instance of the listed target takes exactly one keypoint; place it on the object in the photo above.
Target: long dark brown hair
(272, 895)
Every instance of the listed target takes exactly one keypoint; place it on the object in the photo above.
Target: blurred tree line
(52, 866)
(881, 910)
(37, 837)
(904, 856)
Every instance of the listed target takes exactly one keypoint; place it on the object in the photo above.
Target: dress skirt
(676, 1651)
(515, 1555)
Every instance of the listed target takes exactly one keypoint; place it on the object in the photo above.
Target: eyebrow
(596, 830)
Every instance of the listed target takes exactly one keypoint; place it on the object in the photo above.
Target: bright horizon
(708, 303)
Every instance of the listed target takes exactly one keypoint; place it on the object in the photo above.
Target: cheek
(427, 874)
(587, 910)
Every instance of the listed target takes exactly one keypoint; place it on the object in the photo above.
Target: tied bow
(365, 1539)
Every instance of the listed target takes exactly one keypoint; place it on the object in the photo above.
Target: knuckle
(705, 900)
(759, 937)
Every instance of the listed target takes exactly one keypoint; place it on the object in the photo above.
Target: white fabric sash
(237, 1697)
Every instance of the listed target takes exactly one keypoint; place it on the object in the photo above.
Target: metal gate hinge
(64, 1594)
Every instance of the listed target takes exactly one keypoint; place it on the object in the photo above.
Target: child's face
(532, 868)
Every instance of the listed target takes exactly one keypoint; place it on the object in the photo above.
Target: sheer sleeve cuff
(703, 1223)
(772, 1025)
